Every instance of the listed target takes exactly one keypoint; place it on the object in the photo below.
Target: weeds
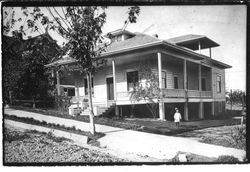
(227, 159)
(238, 135)
(14, 135)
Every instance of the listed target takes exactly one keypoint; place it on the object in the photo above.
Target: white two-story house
(189, 80)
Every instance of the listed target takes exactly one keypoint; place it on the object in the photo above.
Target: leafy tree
(82, 28)
(236, 97)
(147, 89)
(12, 68)
(24, 76)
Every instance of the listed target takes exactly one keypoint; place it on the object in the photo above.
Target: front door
(110, 88)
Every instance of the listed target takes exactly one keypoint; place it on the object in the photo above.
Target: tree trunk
(91, 115)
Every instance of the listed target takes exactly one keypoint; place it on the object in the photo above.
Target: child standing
(177, 117)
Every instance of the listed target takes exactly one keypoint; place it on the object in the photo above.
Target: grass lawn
(142, 124)
(210, 131)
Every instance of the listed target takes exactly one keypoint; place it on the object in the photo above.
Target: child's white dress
(177, 117)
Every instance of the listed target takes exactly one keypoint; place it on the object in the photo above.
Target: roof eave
(225, 66)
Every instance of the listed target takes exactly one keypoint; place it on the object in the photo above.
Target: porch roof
(191, 41)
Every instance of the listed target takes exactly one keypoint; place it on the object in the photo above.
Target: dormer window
(121, 35)
(117, 38)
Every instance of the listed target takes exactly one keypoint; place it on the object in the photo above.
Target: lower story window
(164, 79)
(132, 80)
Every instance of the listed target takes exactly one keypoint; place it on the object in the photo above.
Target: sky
(224, 24)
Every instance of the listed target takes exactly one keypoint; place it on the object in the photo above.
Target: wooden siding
(172, 69)
(216, 95)
(206, 73)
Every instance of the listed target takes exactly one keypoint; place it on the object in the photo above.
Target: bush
(228, 159)
(238, 135)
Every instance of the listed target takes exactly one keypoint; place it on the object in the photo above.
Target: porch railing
(172, 93)
(206, 93)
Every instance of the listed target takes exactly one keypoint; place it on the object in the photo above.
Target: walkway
(140, 143)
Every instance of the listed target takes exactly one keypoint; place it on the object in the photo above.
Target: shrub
(73, 128)
(44, 123)
(238, 135)
(228, 159)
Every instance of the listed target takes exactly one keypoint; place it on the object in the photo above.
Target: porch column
(201, 110)
(199, 47)
(114, 84)
(212, 108)
(210, 52)
(114, 78)
(212, 91)
(199, 77)
(58, 83)
(161, 103)
(185, 88)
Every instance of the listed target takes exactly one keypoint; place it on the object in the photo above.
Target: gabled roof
(191, 41)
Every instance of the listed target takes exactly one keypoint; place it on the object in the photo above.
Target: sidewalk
(140, 143)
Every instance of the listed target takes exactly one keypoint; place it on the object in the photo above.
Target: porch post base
(201, 110)
(186, 111)
(161, 111)
(116, 110)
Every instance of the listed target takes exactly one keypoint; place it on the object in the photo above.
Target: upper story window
(116, 38)
(132, 80)
(164, 79)
(176, 82)
(218, 83)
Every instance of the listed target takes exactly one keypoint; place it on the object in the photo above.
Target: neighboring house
(193, 82)
(13, 50)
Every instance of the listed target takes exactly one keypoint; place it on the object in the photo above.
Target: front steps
(99, 110)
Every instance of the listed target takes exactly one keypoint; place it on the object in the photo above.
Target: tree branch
(57, 21)
(69, 26)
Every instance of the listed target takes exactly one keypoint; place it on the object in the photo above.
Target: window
(218, 83)
(175, 82)
(116, 38)
(132, 80)
(164, 79)
(119, 38)
(86, 86)
(69, 91)
(203, 84)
